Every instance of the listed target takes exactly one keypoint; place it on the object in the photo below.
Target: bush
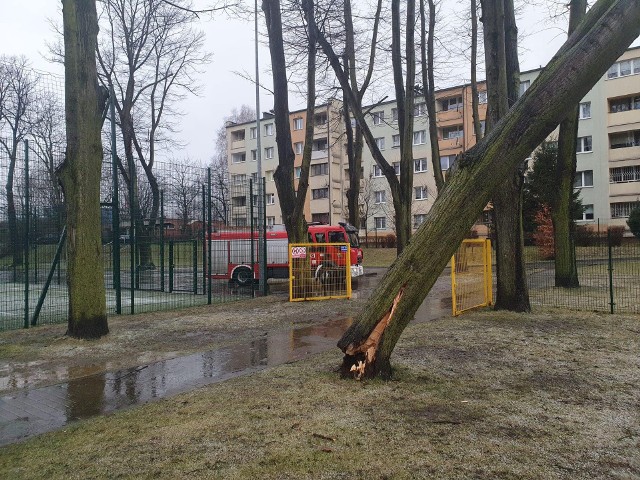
(390, 241)
(634, 221)
(586, 236)
(543, 235)
(615, 234)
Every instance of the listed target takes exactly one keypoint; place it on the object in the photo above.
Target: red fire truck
(231, 252)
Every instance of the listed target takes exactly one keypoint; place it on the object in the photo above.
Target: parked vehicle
(231, 252)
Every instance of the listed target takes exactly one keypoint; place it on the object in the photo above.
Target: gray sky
(25, 29)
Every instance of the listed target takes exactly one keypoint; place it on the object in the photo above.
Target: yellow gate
(319, 271)
(471, 278)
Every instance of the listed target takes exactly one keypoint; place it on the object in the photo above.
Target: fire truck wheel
(242, 276)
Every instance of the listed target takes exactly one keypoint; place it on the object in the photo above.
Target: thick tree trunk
(502, 86)
(607, 30)
(566, 269)
(477, 127)
(80, 173)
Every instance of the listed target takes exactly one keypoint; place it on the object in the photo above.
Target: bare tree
(150, 54)
(18, 85)
(604, 34)
(184, 190)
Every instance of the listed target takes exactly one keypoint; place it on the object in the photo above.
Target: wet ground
(94, 391)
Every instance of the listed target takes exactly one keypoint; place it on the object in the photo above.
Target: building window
(253, 132)
(237, 135)
(377, 171)
(449, 133)
(238, 179)
(420, 109)
(319, 169)
(241, 221)
(380, 223)
(238, 157)
(524, 86)
(446, 161)
(268, 130)
(380, 143)
(421, 192)
(239, 201)
(585, 110)
(268, 152)
(624, 104)
(269, 175)
(420, 165)
(396, 141)
(320, 144)
(624, 68)
(297, 123)
(318, 193)
(378, 117)
(483, 124)
(396, 167)
(624, 174)
(394, 114)
(297, 171)
(584, 145)
(380, 196)
(587, 212)
(622, 209)
(270, 198)
(419, 219)
(254, 155)
(320, 119)
(320, 217)
(271, 221)
(254, 177)
(625, 139)
(420, 137)
(298, 146)
(453, 103)
(583, 179)
(482, 97)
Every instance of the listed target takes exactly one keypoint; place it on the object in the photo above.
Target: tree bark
(81, 170)
(501, 53)
(477, 126)
(428, 86)
(566, 270)
(607, 30)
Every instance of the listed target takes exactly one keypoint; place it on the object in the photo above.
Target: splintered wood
(370, 345)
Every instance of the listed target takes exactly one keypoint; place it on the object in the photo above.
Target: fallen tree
(604, 34)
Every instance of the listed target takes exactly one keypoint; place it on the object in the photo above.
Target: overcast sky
(25, 29)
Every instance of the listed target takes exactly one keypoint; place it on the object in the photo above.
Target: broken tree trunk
(605, 33)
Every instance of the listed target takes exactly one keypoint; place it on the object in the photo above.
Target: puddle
(95, 391)
(34, 411)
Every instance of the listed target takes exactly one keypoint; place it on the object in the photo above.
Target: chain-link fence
(154, 219)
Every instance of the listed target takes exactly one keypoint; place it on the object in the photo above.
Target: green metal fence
(608, 268)
(154, 227)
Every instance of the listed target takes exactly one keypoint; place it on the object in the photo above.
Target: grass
(487, 395)
(378, 257)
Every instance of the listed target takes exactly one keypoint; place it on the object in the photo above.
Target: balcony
(624, 189)
(237, 144)
(629, 120)
(628, 153)
(319, 154)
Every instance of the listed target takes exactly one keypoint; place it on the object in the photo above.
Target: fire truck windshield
(353, 239)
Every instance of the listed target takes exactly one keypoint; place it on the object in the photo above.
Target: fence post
(611, 303)
(171, 261)
(204, 240)
(162, 240)
(252, 242)
(195, 267)
(263, 234)
(35, 246)
(27, 231)
(115, 206)
(209, 231)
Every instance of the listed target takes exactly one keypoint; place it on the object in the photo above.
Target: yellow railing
(319, 271)
(471, 277)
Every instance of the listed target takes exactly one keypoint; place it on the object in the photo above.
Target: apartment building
(608, 152)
